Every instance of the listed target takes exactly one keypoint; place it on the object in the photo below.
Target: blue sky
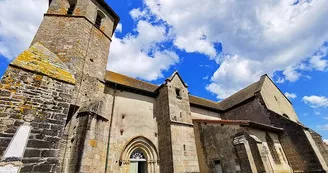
(218, 47)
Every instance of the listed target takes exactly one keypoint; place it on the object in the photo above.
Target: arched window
(137, 155)
(99, 19)
(272, 149)
(72, 4)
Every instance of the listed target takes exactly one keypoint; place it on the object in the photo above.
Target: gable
(176, 79)
(276, 101)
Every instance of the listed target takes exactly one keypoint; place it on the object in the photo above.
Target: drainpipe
(110, 127)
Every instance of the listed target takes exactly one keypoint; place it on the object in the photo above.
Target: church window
(178, 92)
(272, 149)
(72, 4)
(137, 154)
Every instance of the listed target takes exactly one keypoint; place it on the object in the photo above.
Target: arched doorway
(139, 156)
(138, 162)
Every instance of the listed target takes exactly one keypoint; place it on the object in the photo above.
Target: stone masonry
(43, 101)
(86, 119)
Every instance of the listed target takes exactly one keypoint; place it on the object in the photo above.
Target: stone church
(61, 111)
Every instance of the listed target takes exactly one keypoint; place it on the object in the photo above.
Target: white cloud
(316, 101)
(290, 95)
(139, 55)
(323, 127)
(19, 21)
(274, 35)
(291, 74)
(137, 13)
(234, 73)
(119, 28)
(317, 113)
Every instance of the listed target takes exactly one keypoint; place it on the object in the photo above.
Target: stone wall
(251, 110)
(85, 8)
(198, 113)
(133, 117)
(276, 101)
(164, 131)
(295, 144)
(182, 132)
(217, 144)
(81, 46)
(322, 146)
(297, 147)
(44, 102)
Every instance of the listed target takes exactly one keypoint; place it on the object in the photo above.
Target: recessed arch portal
(140, 149)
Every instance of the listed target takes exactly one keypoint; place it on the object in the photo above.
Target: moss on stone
(39, 59)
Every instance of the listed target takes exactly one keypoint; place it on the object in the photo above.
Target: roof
(225, 104)
(129, 81)
(39, 59)
(204, 102)
(173, 75)
(241, 95)
(241, 123)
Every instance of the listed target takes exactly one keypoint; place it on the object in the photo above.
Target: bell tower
(79, 32)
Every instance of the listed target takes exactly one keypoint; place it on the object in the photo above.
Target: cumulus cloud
(267, 36)
(140, 55)
(316, 101)
(290, 95)
(226, 81)
(19, 21)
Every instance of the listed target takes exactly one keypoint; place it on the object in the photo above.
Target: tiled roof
(225, 104)
(129, 81)
(204, 102)
(241, 95)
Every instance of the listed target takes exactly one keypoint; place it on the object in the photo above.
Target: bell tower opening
(72, 4)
